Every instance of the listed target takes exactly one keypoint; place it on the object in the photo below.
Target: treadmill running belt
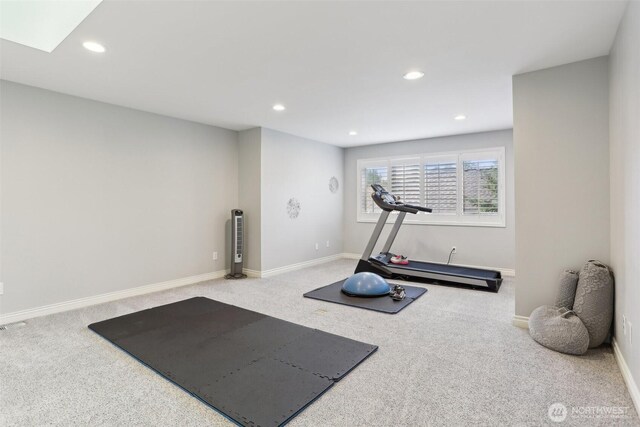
(452, 269)
(252, 368)
(333, 293)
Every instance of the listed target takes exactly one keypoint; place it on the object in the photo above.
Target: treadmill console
(389, 202)
(383, 195)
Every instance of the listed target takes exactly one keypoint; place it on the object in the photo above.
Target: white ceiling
(336, 66)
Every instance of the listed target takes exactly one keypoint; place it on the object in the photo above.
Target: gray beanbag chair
(559, 329)
(567, 292)
(594, 300)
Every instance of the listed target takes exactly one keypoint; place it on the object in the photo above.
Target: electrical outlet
(453, 250)
(624, 325)
(215, 256)
(317, 246)
(328, 243)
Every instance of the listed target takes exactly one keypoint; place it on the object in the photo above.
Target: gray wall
(625, 181)
(561, 144)
(98, 198)
(249, 194)
(481, 246)
(300, 168)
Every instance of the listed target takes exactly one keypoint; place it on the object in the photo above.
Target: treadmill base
(369, 266)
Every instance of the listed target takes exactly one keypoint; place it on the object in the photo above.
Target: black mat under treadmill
(333, 293)
(254, 369)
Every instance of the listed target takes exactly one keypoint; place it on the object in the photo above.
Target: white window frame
(457, 219)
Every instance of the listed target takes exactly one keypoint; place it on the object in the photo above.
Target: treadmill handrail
(420, 208)
(408, 209)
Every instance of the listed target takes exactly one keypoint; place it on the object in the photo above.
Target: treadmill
(416, 271)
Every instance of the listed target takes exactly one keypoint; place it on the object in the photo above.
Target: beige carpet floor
(450, 358)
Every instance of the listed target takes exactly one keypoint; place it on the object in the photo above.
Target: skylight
(42, 24)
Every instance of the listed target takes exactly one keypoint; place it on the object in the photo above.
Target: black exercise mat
(255, 369)
(384, 304)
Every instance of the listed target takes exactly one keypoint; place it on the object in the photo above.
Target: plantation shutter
(405, 180)
(462, 188)
(480, 187)
(371, 175)
(441, 185)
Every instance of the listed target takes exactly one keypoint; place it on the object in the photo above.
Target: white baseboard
(252, 273)
(18, 316)
(520, 321)
(141, 290)
(291, 267)
(626, 374)
(506, 272)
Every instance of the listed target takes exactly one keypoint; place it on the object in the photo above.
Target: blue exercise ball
(366, 285)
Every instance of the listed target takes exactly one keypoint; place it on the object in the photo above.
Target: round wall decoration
(334, 184)
(293, 208)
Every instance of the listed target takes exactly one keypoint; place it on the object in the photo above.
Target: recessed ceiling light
(279, 107)
(460, 117)
(413, 75)
(353, 133)
(94, 47)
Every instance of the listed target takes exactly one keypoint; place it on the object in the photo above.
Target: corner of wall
(624, 166)
(250, 193)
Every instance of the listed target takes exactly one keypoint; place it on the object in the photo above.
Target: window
(462, 188)
(441, 185)
(371, 175)
(480, 186)
(405, 180)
